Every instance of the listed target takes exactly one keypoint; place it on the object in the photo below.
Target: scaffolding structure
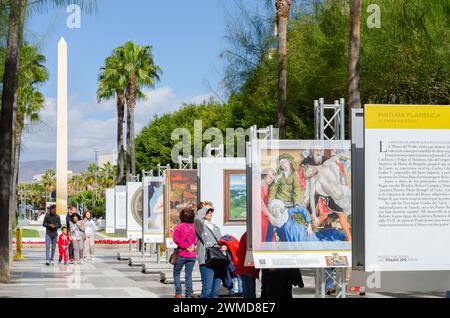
(329, 120)
(329, 124)
(136, 178)
(268, 133)
(147, 174)
(161, 170)
(186, 163)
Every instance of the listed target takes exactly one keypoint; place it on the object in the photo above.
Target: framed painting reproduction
(235, 197)
(301, 203)
(181, 192)
(153, 213)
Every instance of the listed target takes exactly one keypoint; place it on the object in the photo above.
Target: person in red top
(63, 245)
(184, 237)
(248, 274)
(267, 178)
(232, 245)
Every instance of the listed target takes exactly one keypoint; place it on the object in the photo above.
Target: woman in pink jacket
(184, 237)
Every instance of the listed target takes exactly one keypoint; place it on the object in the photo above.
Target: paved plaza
(107, 277)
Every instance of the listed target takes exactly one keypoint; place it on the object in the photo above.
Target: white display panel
(134, 210)
(407, 183)
(120, 208)
(212, 173)
(110, 210)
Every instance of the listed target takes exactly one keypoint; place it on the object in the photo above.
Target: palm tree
(107, 176)
(48, 181)
(112, 83)
(75, 185)
(140, 71)
(36, 194)
(283, 9)
(30, 99)
(354, 55)
(91, 177)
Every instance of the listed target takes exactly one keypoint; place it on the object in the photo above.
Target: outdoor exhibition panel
(134, 210)
(180, 191)
(407, 182)
(110, 210)
(301, 203)
(223, 182)
(153, 214)
(120, 207)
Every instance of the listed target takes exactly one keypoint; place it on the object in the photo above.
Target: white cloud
(93, 125)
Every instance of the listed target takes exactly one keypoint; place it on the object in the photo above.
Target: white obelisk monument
(61, 133)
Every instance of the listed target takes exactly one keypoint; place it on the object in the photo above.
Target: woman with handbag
(184, 237)
(77, 236)
(211, 255)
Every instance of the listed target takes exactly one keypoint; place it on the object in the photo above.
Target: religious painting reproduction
(181, 192)
(235, 197)
(304, 190)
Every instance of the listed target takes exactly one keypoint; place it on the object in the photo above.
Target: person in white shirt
(89, 243)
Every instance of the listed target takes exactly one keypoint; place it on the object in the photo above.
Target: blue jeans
(329, 282)
(232, 291)
(210, 282)
(50, 242)
(248, 286)
(188, 264)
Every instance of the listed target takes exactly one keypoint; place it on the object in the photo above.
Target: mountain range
(28, 169)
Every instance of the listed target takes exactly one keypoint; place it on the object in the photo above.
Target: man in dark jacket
(52, 222)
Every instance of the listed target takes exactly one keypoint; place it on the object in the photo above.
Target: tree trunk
(132, 147)
(127, 153)
(131, 103)
(354, 93)
(7, 134)
(120, 148)
(282, 74)
(283, 9)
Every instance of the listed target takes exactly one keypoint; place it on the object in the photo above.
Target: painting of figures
(305, 196)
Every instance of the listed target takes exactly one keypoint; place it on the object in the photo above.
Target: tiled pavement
(108, 277)
(105, 277)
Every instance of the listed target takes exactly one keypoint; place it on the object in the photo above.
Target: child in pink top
(184, 237)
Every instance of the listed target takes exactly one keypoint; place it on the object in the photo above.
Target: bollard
(18, 256)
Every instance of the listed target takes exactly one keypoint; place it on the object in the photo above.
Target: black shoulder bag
(215, 258)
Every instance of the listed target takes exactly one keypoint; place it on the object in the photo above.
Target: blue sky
(187, 39)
